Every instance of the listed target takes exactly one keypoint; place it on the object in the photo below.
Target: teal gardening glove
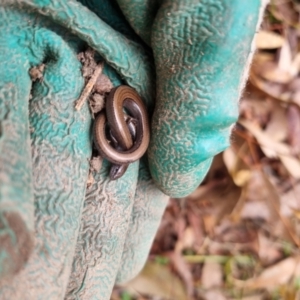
(188, 58)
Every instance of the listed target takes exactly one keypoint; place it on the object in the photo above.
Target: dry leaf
(290, 201)
(283, 229)
(271, 72)
(222, 200)
(157, 280)
(273, 276)
(294, 89)
(235, 166)
(268, 40)
(284, 10)
(197, 228)
(270, 147)
(212, 275)
(292, 164)
(285, 58)
(295, 66)
(230, 160)
(214, 295)
(293, 116)
(187, 240)
(255, 210)
(268, 251)
(272, 89)
(235, 233)
(241, 177)
(274, 149)
(277, 125)
(183, 270)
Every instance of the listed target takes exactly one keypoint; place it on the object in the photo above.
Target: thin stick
(88, 88)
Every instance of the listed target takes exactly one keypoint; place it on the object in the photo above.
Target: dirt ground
(237, 236)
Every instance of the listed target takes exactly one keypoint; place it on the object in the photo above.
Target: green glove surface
(58, 239)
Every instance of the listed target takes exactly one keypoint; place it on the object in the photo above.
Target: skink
(129, 150)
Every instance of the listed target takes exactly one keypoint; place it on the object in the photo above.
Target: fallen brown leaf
(157, 280)
(278, 274)
(214, 295)
(212, 275)
(268, 252)
(183, 270)
(293, 117)
(268, 40)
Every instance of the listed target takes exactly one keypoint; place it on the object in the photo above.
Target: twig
(88, 88)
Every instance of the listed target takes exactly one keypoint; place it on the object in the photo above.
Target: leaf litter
(238, 235)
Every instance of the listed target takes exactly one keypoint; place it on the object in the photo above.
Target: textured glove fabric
(60, 147)
(186, 58)
(196, 102)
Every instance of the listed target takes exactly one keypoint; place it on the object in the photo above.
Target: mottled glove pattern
(186, 58)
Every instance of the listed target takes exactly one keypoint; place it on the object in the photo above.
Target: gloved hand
(58, 239)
